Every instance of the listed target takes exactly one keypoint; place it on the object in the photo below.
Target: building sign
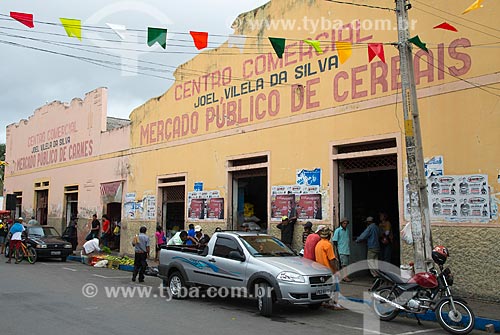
(309, 177)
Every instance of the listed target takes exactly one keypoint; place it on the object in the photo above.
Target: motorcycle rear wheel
(385, 311)
(457, 322)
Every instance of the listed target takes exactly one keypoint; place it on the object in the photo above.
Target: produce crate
(113, 265)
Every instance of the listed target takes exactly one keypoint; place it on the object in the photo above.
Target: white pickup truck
(258, 264)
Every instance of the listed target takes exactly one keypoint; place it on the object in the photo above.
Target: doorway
(42, 197)
(248, 181)
(172, 196)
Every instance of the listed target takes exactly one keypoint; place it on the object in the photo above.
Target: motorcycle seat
(393, 277)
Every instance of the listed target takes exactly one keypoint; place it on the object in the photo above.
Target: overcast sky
(30, 78)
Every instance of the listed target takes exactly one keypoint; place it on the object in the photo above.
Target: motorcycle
(424, 291)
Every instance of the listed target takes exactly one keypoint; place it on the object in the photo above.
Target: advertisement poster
(215, 208)
(434, 166)
(458, 198)
(196, 209)
(309, 206)
(283, 205)
(308, 177)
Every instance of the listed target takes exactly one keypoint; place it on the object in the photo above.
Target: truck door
(223, 269)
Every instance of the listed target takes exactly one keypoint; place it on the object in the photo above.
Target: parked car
(251, 261)
(47, 243)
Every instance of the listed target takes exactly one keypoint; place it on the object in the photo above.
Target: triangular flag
(475, 5)
(73, 27)
(446, 26)
(24, 18)
(316, 45)
(119, 30)
(344, 50)
(3, 163)
(416, 40)
(200, 39)
(278, 45)
(157, 35)
(376, 49)
(236, 41)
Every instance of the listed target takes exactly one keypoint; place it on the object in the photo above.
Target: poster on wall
(434, 166)
(457, 198)
(283, 205)
(196, 209)
(215, 208)
(309, 206)
(308, 177)
(150, 206)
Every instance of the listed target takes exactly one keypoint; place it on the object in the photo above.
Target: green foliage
(106, 250)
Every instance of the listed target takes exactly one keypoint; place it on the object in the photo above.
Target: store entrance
(42, 198)
(369, 194)
(249, 199)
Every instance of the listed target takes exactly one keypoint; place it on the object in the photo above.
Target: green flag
(278, 45)
(316, 45)
(416, 40)
(157, 35)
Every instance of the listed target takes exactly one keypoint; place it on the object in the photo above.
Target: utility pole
(419, 204)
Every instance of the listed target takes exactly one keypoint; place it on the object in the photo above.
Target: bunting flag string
(73, 27)
(476, 5)
(316, 45)
(376, 49)
(278, 45)
(200, 39)
(157, 35)
(416, 41)
(24, 18)
(3, 163)
(119, 30)
(344, 50)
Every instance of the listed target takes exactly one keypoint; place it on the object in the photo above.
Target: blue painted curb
(480, 322)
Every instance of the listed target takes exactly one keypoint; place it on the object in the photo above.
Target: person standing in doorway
(341, 242)
(96, 225)
(73, 232)
(371, 235)
(141, 248)
(286, 226)
(386, 238)
(106, 230)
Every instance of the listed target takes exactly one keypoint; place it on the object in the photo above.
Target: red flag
(200, 39)
(446, 26)
(376, 49)
(24, 18)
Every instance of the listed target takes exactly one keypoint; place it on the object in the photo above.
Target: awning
(111, 192)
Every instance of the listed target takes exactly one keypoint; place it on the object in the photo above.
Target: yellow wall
(458, 121)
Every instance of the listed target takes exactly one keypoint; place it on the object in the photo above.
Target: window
(223, 246)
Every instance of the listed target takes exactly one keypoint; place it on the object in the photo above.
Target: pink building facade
(68, 159)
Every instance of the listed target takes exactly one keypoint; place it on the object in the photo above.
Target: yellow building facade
(245, 136)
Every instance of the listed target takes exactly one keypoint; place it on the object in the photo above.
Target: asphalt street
(53, 298)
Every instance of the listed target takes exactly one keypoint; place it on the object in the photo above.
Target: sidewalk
(485, 312)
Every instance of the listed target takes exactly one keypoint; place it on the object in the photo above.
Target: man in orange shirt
(325, 256)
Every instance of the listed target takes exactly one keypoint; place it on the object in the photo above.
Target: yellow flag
(2, 163)
(316, 45)
(73, 27)
(344, 50)
(475, 5)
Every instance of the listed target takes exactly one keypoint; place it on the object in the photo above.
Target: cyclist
(16, 231)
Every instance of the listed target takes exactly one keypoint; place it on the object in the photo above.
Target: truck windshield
(266, 246)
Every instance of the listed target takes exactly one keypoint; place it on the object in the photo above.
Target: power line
(361, 5)
(444, 18)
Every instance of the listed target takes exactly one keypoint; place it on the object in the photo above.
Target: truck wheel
(265, 299)
(177, 286)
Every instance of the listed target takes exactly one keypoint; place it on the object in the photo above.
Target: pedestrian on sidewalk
(341, 242)
(106, 230)
(94, 230)
(311, 242)
(141, 248)
(286, 226)
(371, 235)
(325, 256)
(4, 230)
(161, 239)
(73, 232)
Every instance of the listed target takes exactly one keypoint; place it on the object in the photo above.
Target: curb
(480, 322)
